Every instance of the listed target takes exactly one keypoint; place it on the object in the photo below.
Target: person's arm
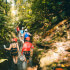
(29, 34)
(21, 40)
(23, 34)
(32, 47)
(9, 47)
(31, 50)
(19, 33)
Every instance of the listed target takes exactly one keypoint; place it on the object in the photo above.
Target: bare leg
(15, 59)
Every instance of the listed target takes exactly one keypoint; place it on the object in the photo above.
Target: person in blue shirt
(26, 34)
(21, 33)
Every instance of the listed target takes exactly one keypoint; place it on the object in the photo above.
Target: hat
(26, 30)
(28, 38)
(15, 39)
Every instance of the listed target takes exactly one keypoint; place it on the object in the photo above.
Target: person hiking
(17, 30)
(21, 33)
(26, 35)
(14, 48)
(26, 49)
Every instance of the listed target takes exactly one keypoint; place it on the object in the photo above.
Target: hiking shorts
(27, 54)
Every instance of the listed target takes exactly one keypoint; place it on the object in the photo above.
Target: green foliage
(42, 15)
(3, 20)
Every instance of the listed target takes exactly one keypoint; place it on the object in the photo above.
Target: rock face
(48, 59)
(55, 55)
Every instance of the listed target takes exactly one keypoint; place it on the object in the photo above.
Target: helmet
(26, 30)
(15, 39)
(28, 38)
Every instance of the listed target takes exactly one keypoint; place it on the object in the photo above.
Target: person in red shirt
(18, 30)
(27, 49)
